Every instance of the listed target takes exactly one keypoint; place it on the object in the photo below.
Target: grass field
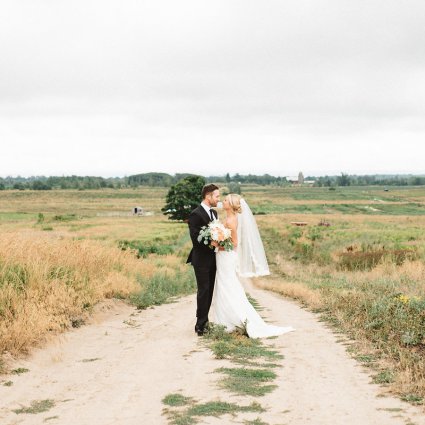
(61, 252)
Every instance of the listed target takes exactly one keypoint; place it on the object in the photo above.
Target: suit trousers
(205, 279)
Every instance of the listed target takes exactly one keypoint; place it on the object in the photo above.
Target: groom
(201, 256)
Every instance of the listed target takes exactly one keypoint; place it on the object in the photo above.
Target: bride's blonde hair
(235, 202)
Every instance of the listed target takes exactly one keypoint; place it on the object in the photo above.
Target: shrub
(369, 259)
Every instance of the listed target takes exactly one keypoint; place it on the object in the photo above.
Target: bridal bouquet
(216, 231)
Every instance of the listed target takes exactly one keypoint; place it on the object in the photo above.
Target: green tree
(343, 180)
(19, 186)
(39, 185)
(183, 197)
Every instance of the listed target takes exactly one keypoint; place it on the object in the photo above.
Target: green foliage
(183, 197)
(303, 251)
(63, 182)
(19, 186)
(343, 180)
(161, 287)
(151, 179)
(40, 218)
(384, 377)
(413, 398)
(143, 249)
(15, 276)
(367, 180)
(39, 185)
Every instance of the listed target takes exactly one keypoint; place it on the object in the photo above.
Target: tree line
(368, 180)
(168, 180)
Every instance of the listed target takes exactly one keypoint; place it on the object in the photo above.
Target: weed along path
(129, 367)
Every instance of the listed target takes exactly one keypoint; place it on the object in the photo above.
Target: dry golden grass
(296, 290)
(55, 267)
(48, 282)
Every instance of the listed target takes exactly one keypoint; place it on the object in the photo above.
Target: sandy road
(117, 369)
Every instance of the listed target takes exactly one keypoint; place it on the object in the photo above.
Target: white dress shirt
(207, 209)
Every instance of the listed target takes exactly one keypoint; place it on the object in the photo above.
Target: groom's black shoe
(200, 331)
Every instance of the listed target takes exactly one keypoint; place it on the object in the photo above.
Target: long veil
(252, 259)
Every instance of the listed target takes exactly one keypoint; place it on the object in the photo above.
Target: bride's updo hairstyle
(235, 202)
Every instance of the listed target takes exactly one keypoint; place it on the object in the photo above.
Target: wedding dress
(230, 305)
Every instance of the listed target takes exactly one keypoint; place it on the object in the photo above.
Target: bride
(230, 306)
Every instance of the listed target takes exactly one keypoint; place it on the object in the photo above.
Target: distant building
(299, 180)
(292, 179)
(138, 211)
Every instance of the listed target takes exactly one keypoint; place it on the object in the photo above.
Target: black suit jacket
(200, 255)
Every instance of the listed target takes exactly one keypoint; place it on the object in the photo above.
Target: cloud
(322, 84)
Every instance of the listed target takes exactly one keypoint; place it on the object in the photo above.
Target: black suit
(203, 261)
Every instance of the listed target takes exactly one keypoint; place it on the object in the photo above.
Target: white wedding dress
(230, 305)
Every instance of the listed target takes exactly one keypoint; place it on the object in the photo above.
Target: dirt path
(117, 370)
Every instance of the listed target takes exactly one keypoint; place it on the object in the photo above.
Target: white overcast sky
(113, 88)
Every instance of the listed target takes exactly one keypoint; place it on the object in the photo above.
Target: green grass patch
(384, 377)
(65, 217)
(413, 398)
(192, 414)
(219, 408)
(36, 407)
(408, 208)
(143, 249)
(16, 216)
(366, 359)
(162, 287)
(176, 400)
(247, 381)
(236, 346)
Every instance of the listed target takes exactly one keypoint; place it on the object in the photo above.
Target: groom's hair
(208, 188)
